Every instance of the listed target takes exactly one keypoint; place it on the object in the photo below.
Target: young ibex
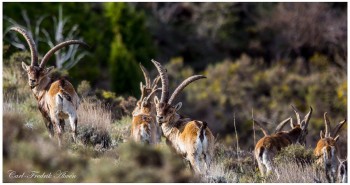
(268, 146)
(57, 100)
(144, 127)
(143, 105)
(190, 138)
(326, 150)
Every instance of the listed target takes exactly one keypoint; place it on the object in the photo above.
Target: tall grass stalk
(237, 142)
(253, 131)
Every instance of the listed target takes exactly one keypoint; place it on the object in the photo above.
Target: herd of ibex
(154, 118)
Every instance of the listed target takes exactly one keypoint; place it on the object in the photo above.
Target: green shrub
(295, 153)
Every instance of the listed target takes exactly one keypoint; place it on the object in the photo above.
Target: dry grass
(94, 123)
(94, 114)
(291, 172)
(105, 157)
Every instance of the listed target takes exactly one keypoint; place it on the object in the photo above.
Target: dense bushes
(278, 69)
(131, 43)
(248, 85)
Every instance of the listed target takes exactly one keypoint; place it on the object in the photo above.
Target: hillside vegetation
(259, 59)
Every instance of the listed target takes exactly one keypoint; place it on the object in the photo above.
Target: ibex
(142, 105)
(57, 99)
(190, 138)
(343, 171)
(326, 150)
(268, 146)
(144, 127)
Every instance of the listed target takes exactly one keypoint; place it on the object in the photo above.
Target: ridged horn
(31, 43)
(146, 75)
(337, 128)
(327, 125)
(58, 47)
(155, 81)
(152, 93)
(282, 124)
(307, 117)
(297, 114)
(261, 126)
(165, 81)
(183, 85)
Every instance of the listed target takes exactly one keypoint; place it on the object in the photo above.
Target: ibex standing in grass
(326, 150)
(144, 127)
(268, 146)
(190, 138)
(57, 100)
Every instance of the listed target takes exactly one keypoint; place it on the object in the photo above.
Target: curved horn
(165, 81)
(183, 85)
(146, 75)
(337, 128)
(307, 117)
(262, 128)
(142, 91)
(281, 125)
(151, 94)
(297, 114)
(155, 81)
(58, 47)
(327, 125)
(31, 43)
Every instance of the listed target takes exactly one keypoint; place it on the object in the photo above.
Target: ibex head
(301, 126)
(164, 107)
(147, 91)
(36, 72)
(328, 134)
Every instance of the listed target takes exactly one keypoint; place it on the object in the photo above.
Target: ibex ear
(25, 66)
(156, 100)
(178, 106)
(48, 70)
(336, 138)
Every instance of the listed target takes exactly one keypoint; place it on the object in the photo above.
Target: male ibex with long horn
(268, 146)
(144, 127)
(57, 99)
(190, 138)
(326, 150)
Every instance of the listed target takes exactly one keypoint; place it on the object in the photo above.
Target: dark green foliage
(130, 45)
(246, 50)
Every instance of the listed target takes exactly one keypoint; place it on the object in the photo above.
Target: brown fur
(183, 135)
(147, 122)
(326, 158)
(61, 86)
(55, 102)
(325, 142)
(46, 92)
(326, 150)
(269, 145)
(145, 107)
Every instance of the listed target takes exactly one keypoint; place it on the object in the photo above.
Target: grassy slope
(103, 153)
